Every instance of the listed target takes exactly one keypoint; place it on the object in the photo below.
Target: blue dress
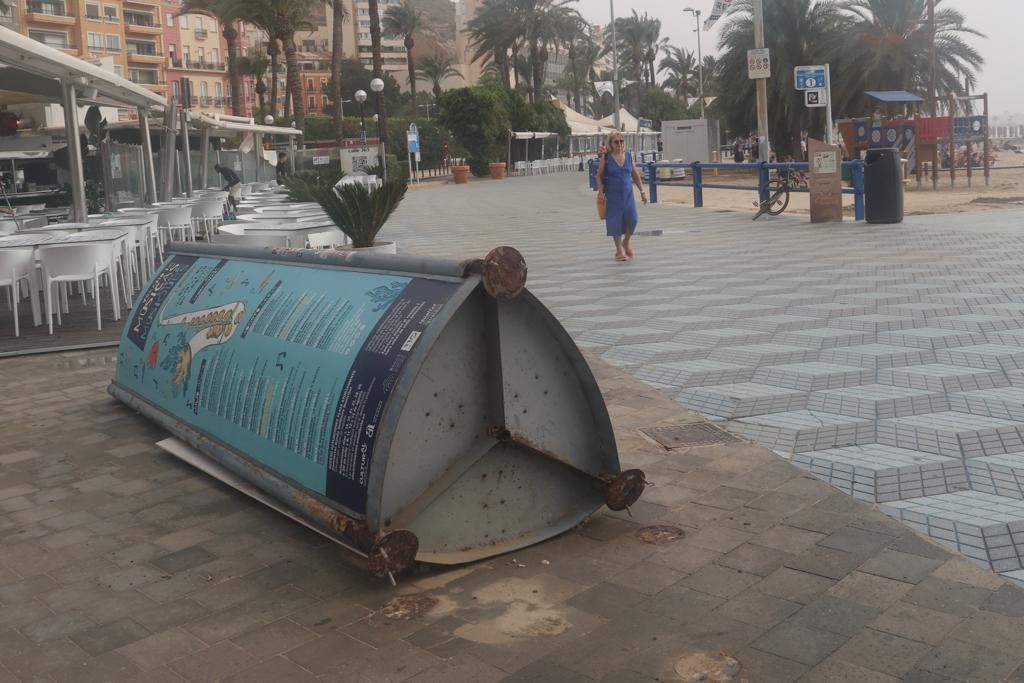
(621, 216)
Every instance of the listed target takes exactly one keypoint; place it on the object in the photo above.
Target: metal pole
(829, 137)
(257, 151)
(204, 157)
(615, 67)
(79, 211)
(700, 65)
(987, 146)
(167, 149)
(761, 84)
(187, 150)
(148, 169)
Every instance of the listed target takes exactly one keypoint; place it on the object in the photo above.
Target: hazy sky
(1002, 21)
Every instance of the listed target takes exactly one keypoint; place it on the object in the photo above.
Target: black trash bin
(883, 186)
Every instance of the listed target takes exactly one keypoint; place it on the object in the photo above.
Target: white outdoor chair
(17, 266)
(536, 167)
(84, 263)
(176, 218)
(520, 168)
(207, 215)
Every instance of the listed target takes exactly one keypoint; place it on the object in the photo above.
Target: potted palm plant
(356, 210)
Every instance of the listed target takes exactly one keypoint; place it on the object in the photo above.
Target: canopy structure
(33, 72)
(893, 97)
(222, 123)
(580, 124)
(628, 122)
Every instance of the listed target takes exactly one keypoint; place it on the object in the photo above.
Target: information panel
(288, 364)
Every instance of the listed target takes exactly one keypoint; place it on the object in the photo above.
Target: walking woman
(616, 176)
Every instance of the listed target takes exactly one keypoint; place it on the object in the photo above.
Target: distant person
(616, 175)
(737, 152)
(283, 169)
(231, 181)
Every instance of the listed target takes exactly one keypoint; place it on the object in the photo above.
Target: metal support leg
(79, 211)
(698, 185)
(148, 168)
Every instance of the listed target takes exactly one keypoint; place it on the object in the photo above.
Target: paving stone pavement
(119, 563)
(886, 360)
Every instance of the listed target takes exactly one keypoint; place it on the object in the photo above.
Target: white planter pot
(377, 248)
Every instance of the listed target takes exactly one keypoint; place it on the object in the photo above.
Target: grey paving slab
(1006, 403)
(695, 373)
(824, 338)
(780, 323)
(764, 354)
(813, 376)
(804, 430)
(943, 377)
(953, 433)
(724, 336)
(876, 356)
(978, 322)
(874, 322)
(688, 323)
(1000, 475)
(991, 356)
(930, 338)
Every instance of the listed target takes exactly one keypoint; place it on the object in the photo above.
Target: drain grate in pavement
(687, 436)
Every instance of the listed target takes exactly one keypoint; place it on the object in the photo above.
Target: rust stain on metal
(624, 489)
(504, 273)
(659, 534)
(707, 666)
(393, 553)
(408, 607)
(352, 530)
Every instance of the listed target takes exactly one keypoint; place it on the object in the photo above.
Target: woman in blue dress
(616, 176)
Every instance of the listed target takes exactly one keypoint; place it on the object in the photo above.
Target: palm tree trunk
(293, 78)
(410, 62)
(234, 77)
(337, 57)
(533, 70)
(378, 68)
(274, 55)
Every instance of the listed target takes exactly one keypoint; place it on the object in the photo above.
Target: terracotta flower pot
(497, 169)
(460, 174)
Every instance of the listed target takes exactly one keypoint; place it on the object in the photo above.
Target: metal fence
(763, 170)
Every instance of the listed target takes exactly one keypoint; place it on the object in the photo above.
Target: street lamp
(700, 58)
(361, 99)
(377, 86)
(268, 119)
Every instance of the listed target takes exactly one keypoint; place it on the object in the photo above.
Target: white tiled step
(803, 430)
(824, 338)
(695, 373)
(942, 377)
(656, 352)
(813, 376)
(1006, 403)
(990, 356)
(930, 338)
(953, 434)
(741, 400)
(878, 401)
(764, 354)
(878, 356)
(1001, 475)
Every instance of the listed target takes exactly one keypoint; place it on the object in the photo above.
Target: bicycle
(778, 190)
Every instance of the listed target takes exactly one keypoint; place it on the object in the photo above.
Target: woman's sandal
(629, 252)
(621, 257)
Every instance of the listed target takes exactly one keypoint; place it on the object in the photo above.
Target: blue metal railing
(763, 170)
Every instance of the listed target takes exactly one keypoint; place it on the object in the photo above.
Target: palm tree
(493, 34)
(378, 68)
(681, 66)
(434, 70)
(255, 64)
(227, 14)
(337, 58)
(280, 19)
(821, 26)
(892, 41)
(402, 21)
(546, 23)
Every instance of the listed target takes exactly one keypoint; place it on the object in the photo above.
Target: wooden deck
(78, 331)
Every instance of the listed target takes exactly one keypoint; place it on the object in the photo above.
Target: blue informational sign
(645, 123)
(412, 139)
(969, 128)
(290, 365)
(809, 77)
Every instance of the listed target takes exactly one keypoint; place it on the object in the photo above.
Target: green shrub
(358, 212)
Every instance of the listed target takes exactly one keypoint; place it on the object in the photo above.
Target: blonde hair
(608, 140)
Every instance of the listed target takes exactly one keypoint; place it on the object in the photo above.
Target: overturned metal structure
(412, 409)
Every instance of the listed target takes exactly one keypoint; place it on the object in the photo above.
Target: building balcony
(205, 66)
(49, 41)
(144, 56)
(147, 79)
(175, 63)
(143, 26)
(48, 13)
(201, 33)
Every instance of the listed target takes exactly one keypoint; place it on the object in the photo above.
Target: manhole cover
(408, 606)
(659, 534)
(708, 667)
(687, 436)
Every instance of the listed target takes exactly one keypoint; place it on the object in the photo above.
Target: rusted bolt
(504, 273)
(624, 489)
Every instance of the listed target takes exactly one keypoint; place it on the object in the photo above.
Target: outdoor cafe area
(69, 274)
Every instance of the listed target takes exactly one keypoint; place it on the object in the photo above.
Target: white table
(295, 233)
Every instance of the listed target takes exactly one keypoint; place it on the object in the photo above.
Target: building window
(204, 89)
(117, 69)
(110, 13)
(324, 100)
(51, 38)
(96, 41)
(92, 11)
(175, 89)
(312, 102)
(183, 21)
(199, 23)
(188, 53)
(309, 84)
(218, 91)
(113, 42)
(170, 21)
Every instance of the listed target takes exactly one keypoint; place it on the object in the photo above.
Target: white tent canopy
(628, 122)
(532, 135)
(580, 124)
(222, 123)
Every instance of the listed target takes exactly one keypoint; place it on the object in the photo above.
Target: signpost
(759, 63)
(645, 123)
(816, 82)
(412, 141)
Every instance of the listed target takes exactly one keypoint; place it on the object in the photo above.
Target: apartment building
(126, 33)
(196, 50)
